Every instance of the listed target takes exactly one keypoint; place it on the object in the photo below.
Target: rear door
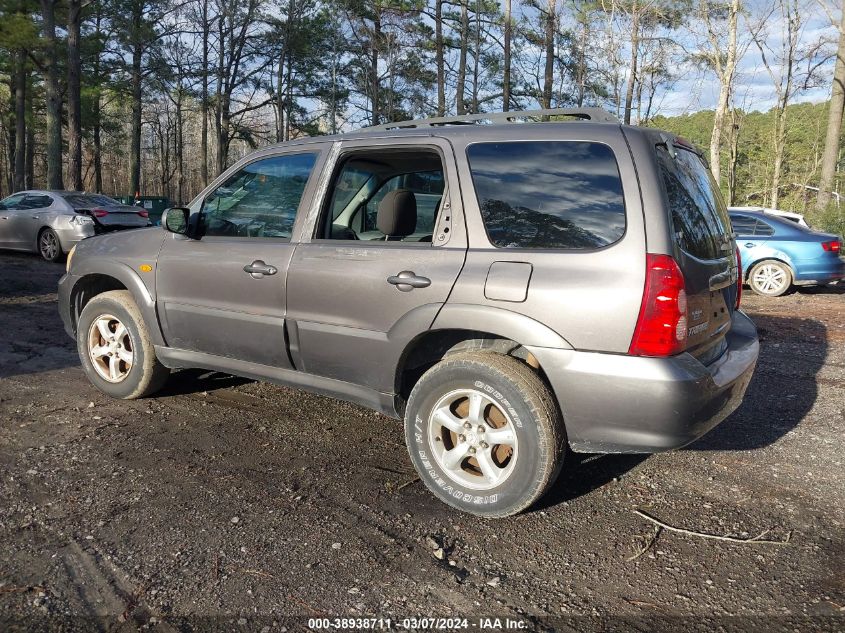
(223, 292)
(353, 315)
(706, 248)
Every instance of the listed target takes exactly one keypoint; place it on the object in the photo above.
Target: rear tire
(49, 245)
(484, 433)
(770, 278)
(115, 348)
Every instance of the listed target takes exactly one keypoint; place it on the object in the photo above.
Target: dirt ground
(233, 505)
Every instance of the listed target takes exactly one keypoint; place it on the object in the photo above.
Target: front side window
(259, 200)
(548, 194)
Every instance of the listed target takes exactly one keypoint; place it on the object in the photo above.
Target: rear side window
(548, 194)
(699, 215)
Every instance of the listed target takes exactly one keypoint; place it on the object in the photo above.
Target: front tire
(770, 278)
(115, 348)
(49, 245)
(484, 433)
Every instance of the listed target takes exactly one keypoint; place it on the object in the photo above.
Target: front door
(223, 291)
(385, 250)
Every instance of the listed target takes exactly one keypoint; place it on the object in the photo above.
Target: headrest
(397, 213)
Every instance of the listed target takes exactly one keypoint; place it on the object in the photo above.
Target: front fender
(85, 269)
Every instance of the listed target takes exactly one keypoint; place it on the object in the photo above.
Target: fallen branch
(755, 540)
(407, 483)
(648, 545)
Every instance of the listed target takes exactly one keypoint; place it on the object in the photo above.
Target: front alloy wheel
(110, 348)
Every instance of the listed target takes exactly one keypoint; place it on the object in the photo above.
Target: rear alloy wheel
(484, 433)
(49, 245)
(770, 278)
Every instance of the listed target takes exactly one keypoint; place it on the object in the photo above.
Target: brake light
(100, 213)
(662, 325)
(738, 279)
(144, 214)
(832, 247)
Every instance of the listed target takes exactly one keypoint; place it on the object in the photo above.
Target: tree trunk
(135, 82)
(726, 79)
(632, 72)
(475, 58)
(438, 52)
(204, 96)
(548, 74)
(374, 79)
(20, 121)
(218, 102)
(460, 105)
(54, 96)
(506, 73)
(733, 156)
(834, 124)
(74, 97)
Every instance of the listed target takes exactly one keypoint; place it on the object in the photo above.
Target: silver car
(52, 222)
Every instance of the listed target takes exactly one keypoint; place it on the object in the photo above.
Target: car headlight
(69, 259)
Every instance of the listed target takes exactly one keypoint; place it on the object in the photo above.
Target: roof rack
(597, 115)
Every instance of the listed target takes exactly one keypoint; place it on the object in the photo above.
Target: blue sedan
(777, 253)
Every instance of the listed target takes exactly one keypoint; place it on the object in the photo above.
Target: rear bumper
(820, 270)
(614, 403)
(69, 237)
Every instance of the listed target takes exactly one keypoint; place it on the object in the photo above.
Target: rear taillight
(832, 247)
(144, 214)
(662, 325)
(100, 213)
(738, 279)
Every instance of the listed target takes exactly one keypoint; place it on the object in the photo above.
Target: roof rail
(597, 115)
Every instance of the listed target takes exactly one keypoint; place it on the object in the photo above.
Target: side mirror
(175, 220)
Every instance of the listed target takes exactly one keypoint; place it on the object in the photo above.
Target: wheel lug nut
(481, 428)
(467, 425)
(462, 438)
(472, 450)
(485, 445)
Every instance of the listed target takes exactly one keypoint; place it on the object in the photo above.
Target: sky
(698, 90)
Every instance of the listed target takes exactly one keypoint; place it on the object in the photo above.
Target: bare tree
(834, 123)
(53, 92)
(781, 65)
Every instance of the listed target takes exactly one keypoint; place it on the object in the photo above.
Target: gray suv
(510, 286)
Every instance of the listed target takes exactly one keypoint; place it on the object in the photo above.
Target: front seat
(397, 214)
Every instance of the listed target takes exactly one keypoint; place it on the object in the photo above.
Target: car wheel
(484, 433)
(115, 347)
(49, 245)
(770, 278)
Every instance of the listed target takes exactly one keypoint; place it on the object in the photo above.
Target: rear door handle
(407, 280)
(258, 269)
(750, 245)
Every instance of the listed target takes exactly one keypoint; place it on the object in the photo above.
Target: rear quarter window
(699, 215)
(548, 194)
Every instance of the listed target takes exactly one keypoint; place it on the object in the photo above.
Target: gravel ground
(234, 505)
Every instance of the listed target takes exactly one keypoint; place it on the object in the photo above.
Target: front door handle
(258, 269)
(750, 245)
(407, 280)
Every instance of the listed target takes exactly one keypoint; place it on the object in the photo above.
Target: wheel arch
(114, 276)
(781, 258)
